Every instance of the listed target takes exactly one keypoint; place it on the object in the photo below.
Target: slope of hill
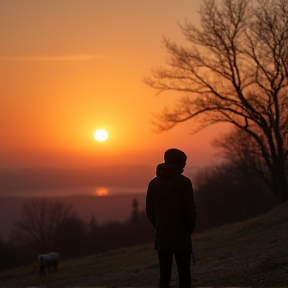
(253, 253)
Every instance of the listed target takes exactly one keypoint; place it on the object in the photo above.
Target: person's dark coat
(170, 207)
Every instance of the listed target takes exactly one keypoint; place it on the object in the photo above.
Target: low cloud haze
(33, 179)
(25, 180)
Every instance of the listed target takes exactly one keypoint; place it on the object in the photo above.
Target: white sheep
(47, 261)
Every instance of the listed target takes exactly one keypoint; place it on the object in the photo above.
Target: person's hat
(176, 157)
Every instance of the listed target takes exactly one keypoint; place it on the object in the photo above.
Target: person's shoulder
(153, 180)
(185, 180)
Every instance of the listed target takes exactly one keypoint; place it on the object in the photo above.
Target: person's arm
(149, 207)
(190, 207)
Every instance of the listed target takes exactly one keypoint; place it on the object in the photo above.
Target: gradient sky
(69, 67)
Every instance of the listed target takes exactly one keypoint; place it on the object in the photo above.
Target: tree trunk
(279, 180)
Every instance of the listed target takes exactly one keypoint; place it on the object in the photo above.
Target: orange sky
(70, 67)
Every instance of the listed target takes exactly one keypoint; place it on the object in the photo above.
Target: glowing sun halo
(101, 135)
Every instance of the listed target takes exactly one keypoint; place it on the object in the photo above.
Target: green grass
(253, 253)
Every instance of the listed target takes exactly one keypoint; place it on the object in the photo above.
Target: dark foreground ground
(253, 253)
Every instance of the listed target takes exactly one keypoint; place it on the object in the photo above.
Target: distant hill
(252, 253)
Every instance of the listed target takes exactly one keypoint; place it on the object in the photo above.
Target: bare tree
(225, 194)
(135, 210)
(39, 223)
(71, 237)
(233, 70)
(242, 154)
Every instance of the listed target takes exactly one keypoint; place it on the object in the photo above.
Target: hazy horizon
(101, 181)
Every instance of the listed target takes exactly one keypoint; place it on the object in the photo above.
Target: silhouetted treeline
(48, 225)
(224, 195)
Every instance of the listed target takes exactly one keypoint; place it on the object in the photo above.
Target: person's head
(176, 157)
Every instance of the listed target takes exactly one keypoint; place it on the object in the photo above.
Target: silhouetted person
(170, 207)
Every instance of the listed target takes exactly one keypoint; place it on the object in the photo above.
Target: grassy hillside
(251, 253)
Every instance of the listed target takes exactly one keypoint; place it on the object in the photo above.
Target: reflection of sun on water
(101, 191)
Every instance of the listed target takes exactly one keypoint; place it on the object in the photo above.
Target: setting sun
(101, 135)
